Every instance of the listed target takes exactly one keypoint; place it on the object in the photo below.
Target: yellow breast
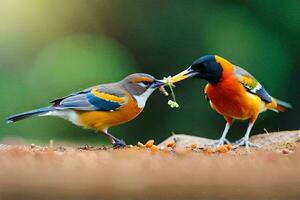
(102, 120)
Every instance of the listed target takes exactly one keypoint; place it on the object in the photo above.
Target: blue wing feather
(86, 100)
(264, 95)
(102, 104)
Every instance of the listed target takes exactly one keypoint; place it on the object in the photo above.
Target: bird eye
(144, 84)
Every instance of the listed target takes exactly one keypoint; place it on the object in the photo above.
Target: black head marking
(208, 68)
(204, 59)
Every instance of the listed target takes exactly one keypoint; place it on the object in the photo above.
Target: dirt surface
(271, 141)
(167, 171)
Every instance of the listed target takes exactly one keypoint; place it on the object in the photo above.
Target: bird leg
(117, 143)
(245, 140)
(223, 139)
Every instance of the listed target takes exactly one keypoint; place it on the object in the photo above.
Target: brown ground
(272, 172)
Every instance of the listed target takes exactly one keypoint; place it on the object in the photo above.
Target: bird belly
(234, 101)
(102, 120)
(69, 115)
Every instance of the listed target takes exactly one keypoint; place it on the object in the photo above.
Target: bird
(233, 93)
(102, 106)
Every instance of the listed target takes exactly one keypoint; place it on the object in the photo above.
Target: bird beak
(157, 83)
(188, 73)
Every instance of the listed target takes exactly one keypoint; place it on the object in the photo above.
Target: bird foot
(220, 143)
(118, 144)
(244, 142)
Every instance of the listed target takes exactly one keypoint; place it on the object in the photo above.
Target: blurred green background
(51, 48)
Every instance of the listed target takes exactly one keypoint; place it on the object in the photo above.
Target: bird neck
(228, 69)
(142, 98)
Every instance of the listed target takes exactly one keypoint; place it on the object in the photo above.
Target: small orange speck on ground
(229, 147)
(208, 150)
(222, 149)
(171, 144)
(194, 146)
(154, 149)
(149, 143)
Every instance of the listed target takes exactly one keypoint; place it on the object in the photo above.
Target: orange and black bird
(103, 106)
(232, 92)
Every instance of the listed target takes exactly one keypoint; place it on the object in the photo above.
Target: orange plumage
(232, 92)
(103, 120)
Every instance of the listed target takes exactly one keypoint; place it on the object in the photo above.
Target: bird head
(141, 86)
(208, 67)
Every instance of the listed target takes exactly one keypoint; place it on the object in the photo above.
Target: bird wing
(99, 98)
(251, 84)
(58, 100)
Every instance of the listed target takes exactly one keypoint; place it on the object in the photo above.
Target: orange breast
(230, 99)
(100, 120)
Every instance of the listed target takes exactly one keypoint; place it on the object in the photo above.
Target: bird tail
(282, 105)
(32, 113)
(279, 105)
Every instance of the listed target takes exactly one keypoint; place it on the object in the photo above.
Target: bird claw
(244, 142)
(118, 144)
(220, 143)
(226, 141)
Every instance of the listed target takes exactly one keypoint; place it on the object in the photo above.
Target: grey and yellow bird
(103, 106)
